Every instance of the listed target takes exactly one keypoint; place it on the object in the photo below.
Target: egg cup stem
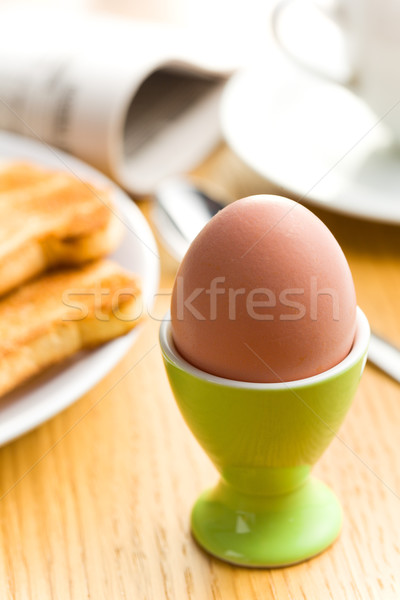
(267, 530)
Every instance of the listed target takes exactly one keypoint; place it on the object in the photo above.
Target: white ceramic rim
(356, 197)
(359, 348)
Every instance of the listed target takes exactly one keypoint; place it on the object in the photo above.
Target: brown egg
(264, 294)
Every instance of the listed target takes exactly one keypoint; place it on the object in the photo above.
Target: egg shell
(264, 294)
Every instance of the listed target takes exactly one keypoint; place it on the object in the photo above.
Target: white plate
(315, 139)
(60, 386)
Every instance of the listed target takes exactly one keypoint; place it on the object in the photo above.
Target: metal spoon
(181, 210)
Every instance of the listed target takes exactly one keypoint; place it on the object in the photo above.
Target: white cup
(371, 36)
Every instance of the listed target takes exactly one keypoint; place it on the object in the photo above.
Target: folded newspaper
(137, 100)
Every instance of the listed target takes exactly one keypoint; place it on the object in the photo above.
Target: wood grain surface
(95, 503)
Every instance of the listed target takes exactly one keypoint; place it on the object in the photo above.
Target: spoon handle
(385, 356)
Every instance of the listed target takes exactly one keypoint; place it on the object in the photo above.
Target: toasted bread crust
(20, 174)
(51, 318)
(50, 218)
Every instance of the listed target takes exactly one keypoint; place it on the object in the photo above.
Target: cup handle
(276, 13)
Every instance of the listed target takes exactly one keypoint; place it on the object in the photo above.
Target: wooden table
(95, 503)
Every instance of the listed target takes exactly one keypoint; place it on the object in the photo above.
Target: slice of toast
(15, 175)
(55, 316)
(50, 218)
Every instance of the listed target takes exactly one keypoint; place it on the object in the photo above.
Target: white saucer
(315, 139)
(58, 387)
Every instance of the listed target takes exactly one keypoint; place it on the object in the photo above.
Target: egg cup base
(267, 531)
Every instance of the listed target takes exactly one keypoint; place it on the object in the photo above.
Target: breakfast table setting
(100, 465)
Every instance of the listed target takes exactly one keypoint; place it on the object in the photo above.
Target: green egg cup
(266, 510)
